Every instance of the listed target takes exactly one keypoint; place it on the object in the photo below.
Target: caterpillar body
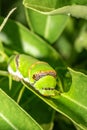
(38, 74)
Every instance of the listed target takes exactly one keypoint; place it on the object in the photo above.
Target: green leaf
(37, 109)
(64, 47)
(24, 41)
(51, 4)
(49, 27)
(13, 117)
(52, 8)
(81, 40)
(73, 103)
(45, 5)
(40, 111)
(81, 2)
(74, 10)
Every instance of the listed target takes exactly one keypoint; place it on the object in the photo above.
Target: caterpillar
(40, 75)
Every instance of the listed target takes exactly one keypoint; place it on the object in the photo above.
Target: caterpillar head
(46, 85)
(43, 77)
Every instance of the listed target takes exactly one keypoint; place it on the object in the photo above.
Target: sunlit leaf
(13, 117)
(73, 103)
(24, 41)
(49, 27)
(52, 8)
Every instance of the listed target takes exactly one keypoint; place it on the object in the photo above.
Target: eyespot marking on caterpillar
(40, 74)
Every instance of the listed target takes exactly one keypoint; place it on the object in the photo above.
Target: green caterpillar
(38, 74)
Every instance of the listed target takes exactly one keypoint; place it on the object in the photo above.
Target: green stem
(5, 20)
(20, 94)
(60, 85)
(4, 56)
(4, 73)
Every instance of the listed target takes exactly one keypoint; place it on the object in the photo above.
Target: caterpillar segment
(38, 74)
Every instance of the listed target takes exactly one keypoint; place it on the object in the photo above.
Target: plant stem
(3, 73)
(5, 20)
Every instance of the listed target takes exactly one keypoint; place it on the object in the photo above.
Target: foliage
(55, 32)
